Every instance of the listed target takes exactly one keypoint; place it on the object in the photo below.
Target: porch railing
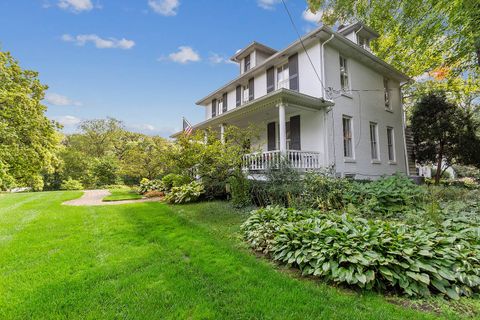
(297, 159)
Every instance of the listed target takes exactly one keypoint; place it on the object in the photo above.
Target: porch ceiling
(258, 109)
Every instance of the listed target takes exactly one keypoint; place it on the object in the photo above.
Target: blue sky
(144, 62)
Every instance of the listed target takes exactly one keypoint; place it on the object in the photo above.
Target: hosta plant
(147, 185)
(187, 193)
(416, 260)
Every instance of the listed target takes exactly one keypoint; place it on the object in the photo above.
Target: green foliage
(385, 197)
(416, 260)
(240, 190)
(205, 156)
(105, 171)
(416, 36)
(28, 139)
(443, 132)
(172, 180)
(186, 193)
(71, 184)
(282, 186)
(323, 191)
(121, 194)
(147, 185)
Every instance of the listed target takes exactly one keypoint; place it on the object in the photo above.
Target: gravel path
(94, 198)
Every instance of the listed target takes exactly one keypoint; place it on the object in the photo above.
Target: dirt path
(94, 198)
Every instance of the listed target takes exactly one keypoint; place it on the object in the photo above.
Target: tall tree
(100, 136)
(28, 139)
(443, 133)
(417, 36)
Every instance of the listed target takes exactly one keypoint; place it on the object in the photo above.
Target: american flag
(187, 127)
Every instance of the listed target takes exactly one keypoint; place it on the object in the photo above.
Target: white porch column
(283, 129)
(222, 133)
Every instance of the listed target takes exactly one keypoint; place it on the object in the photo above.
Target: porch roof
(286, 96)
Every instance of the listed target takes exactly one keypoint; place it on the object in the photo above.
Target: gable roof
(239, 55)
(321, 33)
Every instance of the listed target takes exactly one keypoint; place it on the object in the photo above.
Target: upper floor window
(386, 94)
(363, 42)
(246, 64)
(282, 77)
(214, 107)
(344, 81)
(374, 141)
(245, 94)
(220, 105)
(391, 144)
(347, 137)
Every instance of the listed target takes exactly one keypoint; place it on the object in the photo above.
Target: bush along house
(325, 100)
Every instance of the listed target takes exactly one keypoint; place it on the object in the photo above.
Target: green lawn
(152, 261)
(122, 194)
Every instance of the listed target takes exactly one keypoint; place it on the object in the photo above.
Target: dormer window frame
(363, 42)
(247, 62)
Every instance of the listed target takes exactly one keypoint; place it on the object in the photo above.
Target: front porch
(292, 129)
(297, 159)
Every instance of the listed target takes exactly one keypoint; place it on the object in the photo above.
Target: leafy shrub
(147, 185)
(186, 193)
(388, 196)
(71, 184)
(416, 260)
(174, 180)
(323, 191)
(240, 191)
(282, 186)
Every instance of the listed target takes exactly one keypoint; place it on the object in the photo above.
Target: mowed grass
(152, 261)
(122, 194)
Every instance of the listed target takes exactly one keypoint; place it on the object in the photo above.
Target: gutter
(324, 93)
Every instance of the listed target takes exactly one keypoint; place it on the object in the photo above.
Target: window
(374, 141)
(391, 144)
(386, 94)
(246, 64)
(220, 105)
(245, 94)
(282, 77)
(344, 84)
(347, 137)
(363, 42)
(214, 108)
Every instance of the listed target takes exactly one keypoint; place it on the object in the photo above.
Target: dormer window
(246, 64)
(363, 42)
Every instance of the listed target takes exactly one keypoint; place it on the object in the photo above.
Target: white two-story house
(324, 100)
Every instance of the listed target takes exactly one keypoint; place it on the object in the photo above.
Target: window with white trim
(246, 63)
(245, 94)
(374, 141)
(220, 106)
(347, 137)
(282, 77)
(391, 144)
(344, 81)
(386, 94)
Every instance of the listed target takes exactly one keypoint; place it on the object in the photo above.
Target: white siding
(364, 107)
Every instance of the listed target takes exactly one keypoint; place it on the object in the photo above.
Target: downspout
(324, 93)
(356, 33)
(404, 127)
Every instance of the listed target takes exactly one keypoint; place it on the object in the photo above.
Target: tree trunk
(438, 174)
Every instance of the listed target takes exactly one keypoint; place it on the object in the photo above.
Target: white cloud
(423, 77)
(67, 121)
(164, 7)
(215, 58)
(309, 16)
(59, 100)
(101, 43)
(183, 55)
(268, 4)
(75, 5)
(150, 129)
